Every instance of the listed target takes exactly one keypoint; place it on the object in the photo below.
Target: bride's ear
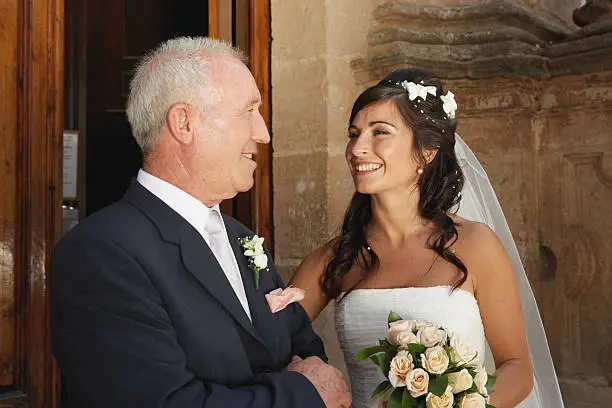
(429, 155)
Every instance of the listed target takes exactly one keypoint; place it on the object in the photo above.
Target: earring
(419, 171)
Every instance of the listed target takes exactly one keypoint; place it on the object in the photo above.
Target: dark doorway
(117, 34)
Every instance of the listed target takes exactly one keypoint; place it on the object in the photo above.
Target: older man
(153, 303)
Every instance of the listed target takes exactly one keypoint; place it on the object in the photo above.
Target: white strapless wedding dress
(361, 320)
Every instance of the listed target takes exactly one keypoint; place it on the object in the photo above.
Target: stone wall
(313, 89)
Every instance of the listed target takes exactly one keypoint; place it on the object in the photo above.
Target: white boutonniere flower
(254, 251)
(449, 104)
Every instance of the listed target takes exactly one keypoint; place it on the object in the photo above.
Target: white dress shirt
(196, 214)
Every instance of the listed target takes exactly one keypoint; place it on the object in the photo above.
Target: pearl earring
(419, 171)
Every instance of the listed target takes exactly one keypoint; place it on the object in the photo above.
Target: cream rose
(480, 379)
(460, 381)
(460, 352)
(401, 364)
(417, 382)
(435, 360)
(418, 325)
(473, 401)
(407, 324)
(430, 336)
(445, 401)
(400, 333)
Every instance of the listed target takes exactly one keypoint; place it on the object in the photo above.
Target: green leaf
(415, 348)
(422, 404)
(489, 406)
(472, 389)
(490, 383)
(381, 390)
(437, 385)
(393, 317)
(369, 351)
(384, 343)
(395, 400)
(383, 361)
(407, 400)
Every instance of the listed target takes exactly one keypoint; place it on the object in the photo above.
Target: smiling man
(153, 303)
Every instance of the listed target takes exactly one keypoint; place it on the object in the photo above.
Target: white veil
(479, 203)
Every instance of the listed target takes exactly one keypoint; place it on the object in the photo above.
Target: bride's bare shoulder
(479, 247)
(473, 232)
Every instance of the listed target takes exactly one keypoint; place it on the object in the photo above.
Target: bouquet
(427, 367)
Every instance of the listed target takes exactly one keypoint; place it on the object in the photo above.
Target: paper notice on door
(71, 164)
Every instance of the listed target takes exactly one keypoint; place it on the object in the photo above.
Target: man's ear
(180, 120)
(429, 155)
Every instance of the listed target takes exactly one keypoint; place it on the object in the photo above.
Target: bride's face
(380, 150)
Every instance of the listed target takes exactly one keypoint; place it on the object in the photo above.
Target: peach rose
(401, 365)
(417, 382)
(445, 401)
(430, 336)
(473, 401)
(435, 360)
(400, 333)
(460, 381)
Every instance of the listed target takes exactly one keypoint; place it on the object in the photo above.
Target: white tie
(220, 246)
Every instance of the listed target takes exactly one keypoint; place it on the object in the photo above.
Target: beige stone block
(325, 327)
(348, 23)
(574, 130)
(342, 92)
(341, 189)
(298, 29)
(299, 105)
(514, 179)
(578, 91)
(560, 10)
(499, 94)
(497, 134)
(286, 268)
(300, 214)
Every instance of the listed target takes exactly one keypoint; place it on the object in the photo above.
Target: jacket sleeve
(304, 341)
(117, 347)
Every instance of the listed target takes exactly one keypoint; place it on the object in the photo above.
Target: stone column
(313, 44)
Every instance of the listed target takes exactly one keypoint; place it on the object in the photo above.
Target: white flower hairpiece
(418, 90)
(449, 104)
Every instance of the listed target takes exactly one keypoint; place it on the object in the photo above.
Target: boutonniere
(254, 251)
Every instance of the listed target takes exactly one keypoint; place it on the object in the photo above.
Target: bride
(424, 236)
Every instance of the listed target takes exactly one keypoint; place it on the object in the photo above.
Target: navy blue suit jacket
(142, 316)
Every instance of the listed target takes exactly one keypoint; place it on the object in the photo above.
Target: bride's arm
(309, 276)
(498, 299)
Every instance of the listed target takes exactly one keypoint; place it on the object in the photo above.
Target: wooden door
(246, 24)
(31, 68)
(575, 284)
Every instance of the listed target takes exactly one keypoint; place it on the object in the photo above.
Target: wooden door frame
(37, 178)
(259, 52)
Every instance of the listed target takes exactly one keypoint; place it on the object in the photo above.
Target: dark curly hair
(439, 184)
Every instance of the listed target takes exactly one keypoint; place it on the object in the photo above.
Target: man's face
(227, 135)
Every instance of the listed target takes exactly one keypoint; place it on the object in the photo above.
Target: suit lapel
(195, 254)
(264, 320)
(201, 262)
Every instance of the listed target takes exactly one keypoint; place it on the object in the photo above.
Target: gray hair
(176, 71)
